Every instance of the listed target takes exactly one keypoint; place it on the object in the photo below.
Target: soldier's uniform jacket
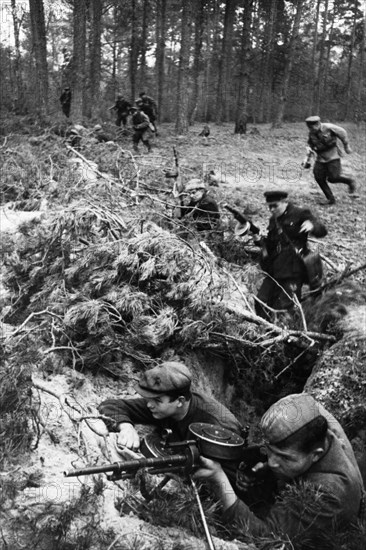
(122, 106)
(141, 125)
(284, 243)
(324, 141)
(201, 409)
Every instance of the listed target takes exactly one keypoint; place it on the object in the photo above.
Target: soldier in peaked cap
(166, 402)
(306, 447)
(322, 140)
(282, 250)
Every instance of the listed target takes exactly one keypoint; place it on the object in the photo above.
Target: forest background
(204, 60)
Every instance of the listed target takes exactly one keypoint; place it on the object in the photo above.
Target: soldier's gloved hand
(306, 227)
(348, 149)
(128, 436)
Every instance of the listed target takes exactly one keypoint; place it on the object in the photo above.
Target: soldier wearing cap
(306, 447)
(322, 141)
(149, 107)
(101, 135)
(166, 402)
(288, 230)
(201, 207)
(141, 127)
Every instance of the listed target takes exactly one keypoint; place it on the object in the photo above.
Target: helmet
(193, 184)
(138, 101)
(97, 127)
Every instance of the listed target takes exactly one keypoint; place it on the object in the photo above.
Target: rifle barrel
(129, 465)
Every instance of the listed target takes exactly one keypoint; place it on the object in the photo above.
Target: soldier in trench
(318, 485)
(167, 401)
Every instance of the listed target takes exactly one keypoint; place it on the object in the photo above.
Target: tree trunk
(39, 44)
(160, 52)
(134, 50)
(78, 87)
(242, 99)
(361, 75)
(197, 62)
(265, 105)
(291, 54)
(223, 96)
(95, 55)
(212, 24)
(19, 94)
(327, 58)
(314, 68)
(145, 20)
(318, 85)
(181, 125)
(350, 66)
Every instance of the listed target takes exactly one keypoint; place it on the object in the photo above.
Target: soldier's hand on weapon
(209, 469)
(247, 477)
(128, 436)
(306, 227)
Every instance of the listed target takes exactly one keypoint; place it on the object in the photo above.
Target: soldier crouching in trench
(306, 449)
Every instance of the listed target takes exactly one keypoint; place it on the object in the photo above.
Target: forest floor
(267, 158)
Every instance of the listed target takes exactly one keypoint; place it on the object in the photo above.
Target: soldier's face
(289, 463)
(277, 208)
(161, 406)
(314, 127)
(196, 194)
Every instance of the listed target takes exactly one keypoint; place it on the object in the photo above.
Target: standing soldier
(65, 100)
(122, 108)
(150, 108)
(327, 168)
(141, 128)
(282, 250)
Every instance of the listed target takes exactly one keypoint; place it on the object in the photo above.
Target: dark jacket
(122, 106)
(284, 242)
(201, 409)
(205, 213)
(140, 121)
(338, 482)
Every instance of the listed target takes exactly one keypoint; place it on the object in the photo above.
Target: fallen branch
(286, 334)
(93, 169)
(334, 281)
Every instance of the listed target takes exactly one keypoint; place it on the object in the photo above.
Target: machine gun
(180, 457)
(164, 456)
(244, 225)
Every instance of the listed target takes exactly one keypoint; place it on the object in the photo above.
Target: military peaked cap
(275, 195)
(312, 119)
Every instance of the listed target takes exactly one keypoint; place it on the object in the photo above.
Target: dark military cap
(275, 195)
(170, 377)
(312, 119)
